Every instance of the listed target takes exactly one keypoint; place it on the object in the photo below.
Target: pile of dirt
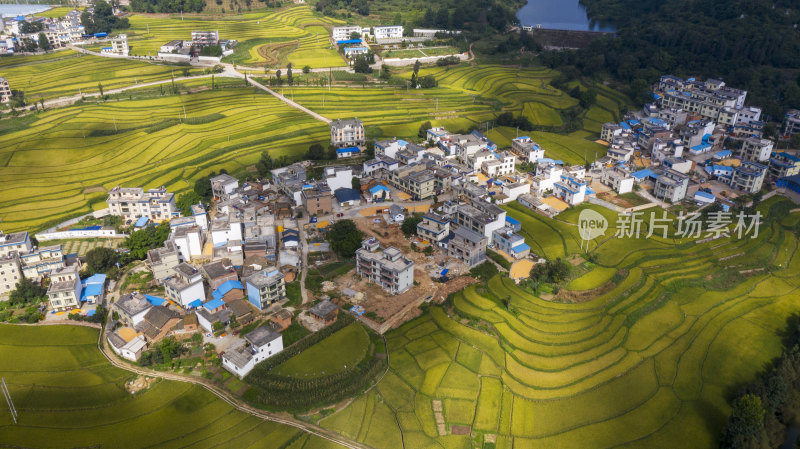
(141, 383)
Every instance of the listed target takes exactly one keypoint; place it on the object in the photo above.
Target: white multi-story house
(527, 149)
(225, 229)
(65, 289)
(119, 45)
(388, 268)
(10, 272)
(511, 243)
(339, 177)
(259, 345)
(189, 241)
(132, 308)
(498, 164)
(620, 181)
(342, 33)
(185, 287)
(433, 227)
(205, 38)
(223, 185)
(133, 202)
(388, 32)
(41, 261)
(571, 190)
(758, 150)
(481, 217)
(18, 242)
(749, 176)
(347, 133)
(162, 261)
(671, 186)
(547, 174)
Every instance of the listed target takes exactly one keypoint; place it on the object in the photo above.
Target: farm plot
(155, 143)
(657, 352)
(307, 32)
(346, 347)
(66, 73)
(68, 395)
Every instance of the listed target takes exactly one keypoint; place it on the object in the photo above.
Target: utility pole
(184, 112)
(10, 403)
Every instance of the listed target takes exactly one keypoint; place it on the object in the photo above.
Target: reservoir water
(559, 15)
(13, 10)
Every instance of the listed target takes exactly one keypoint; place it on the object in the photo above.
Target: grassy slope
(68, 395)
(648, 364)
(346, 347)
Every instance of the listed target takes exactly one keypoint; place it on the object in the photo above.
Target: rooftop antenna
(10, 403)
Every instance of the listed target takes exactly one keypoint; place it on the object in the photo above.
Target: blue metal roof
(723, 154)
(511, 220)
(141, 222)
(196, 303)
(445, 271)
(214, 304)
(349, 41)
(155, 300)
(521, 247)
(88, 228)
(378, 188)
(345, 194)
(641, 174)
(226, 287)
(98, 278)
(347, 150)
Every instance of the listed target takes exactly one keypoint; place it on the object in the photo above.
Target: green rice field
(648, 362)
(155, 144)
(68, 395)
(67, 73)
(303, 33)
(345, 347)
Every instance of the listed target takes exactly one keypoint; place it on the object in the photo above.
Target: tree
(345, 238)
(100, 88)
(306, 69)
(355, 183)
(278, 77)
(409, 226)
(264, 164)
(185, 202)
(202, 186)
(795, 140)
(369, 151)
(385, 74)
(429, 19)
(361, 65)
(29, 45)
(443, 18)
(355, 35)
(289, 77)
(101, 259)
(745, 423)
(26, 27)
(139, 242)
(27, 292)
(588, 97)
(428, 81)
(316, 152)
(44, 43)
(422, 133)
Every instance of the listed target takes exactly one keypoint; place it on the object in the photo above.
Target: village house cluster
(60, 32)
(354, 40)
(697, 141)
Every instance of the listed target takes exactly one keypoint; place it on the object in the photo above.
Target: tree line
(763, 409)
(750, 44)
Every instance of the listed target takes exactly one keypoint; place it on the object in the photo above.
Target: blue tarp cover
(155, 300)
(141, 222)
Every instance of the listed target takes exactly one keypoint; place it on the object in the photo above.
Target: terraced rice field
(63, 390)
(67, 73)
(649, 362)
(305, 35)
(226, 128)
